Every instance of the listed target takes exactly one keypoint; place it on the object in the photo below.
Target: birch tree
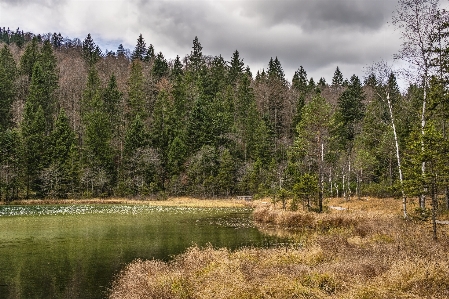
(386, 85)
(418, 21)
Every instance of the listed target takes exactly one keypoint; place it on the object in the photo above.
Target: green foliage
(90, 51)
(337, 79)
(306, 189)
(200, 125)
(140, 49)
(9, 164)
(29, 58)
(136, 93)
(351, 111)
(35, 147)
(8, 75)
(236, 68)
(160, 66)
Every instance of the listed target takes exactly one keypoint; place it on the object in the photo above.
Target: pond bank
(170, 202)
(365, 251)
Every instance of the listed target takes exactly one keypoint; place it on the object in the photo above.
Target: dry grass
(364, 252)
(171, 202)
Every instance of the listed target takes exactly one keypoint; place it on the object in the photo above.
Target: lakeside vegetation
(169, 202)
(367, 251)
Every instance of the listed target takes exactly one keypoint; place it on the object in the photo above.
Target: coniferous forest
(76, 122)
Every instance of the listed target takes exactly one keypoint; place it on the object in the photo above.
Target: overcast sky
(317, 34)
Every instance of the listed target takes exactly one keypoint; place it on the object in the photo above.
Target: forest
(77, 122)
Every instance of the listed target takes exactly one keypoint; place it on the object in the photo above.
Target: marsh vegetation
(365, 251)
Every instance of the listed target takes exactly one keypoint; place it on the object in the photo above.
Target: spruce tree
(91, 93)
(236, 68)
(121, 51)
(196, 60)
(337, 79)
(299, 81)
(41, 93)
(149, 56)
(35, 147)
(10, 148)
(351, 109)
(177, 70)
(8, 75)
(29, 57)
(61, 142)
(140, 50)
(112, 98)
(136, 93)
(90, 51)
(160, 66)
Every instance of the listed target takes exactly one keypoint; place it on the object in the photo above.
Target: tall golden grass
(362, 253)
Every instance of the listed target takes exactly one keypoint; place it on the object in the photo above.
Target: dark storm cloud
(323, 14)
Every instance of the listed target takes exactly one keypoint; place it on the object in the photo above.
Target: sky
(316, 34)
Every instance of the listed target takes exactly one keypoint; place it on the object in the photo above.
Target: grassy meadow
(365, 250)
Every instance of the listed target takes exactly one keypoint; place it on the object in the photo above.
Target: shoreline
(170, 202)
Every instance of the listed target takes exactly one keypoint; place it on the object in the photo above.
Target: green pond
(76, 251)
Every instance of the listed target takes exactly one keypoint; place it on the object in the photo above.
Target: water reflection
(74, 251)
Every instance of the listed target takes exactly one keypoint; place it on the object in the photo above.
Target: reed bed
(358, 253)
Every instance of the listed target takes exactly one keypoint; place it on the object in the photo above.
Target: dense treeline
(77, 122)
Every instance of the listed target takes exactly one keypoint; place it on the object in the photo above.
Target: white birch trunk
(422, 200)
(404, 198)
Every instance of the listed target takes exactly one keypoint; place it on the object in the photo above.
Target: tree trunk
(396, 143)
(434, 208)
(320, 196)
(422, 199)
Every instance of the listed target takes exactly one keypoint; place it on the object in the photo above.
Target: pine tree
(299, 81)
(226, 176)
(112, 98)
(56, 40)
(177, 70)
(91, 93)
(34, 142)
(61, 142)
(8, 75)
(9, 164)
(275, 70)
(149, 56)
(140, 161)
(121, 51)
(351, 109)
(247, 118)
(47, 61)
(236, 68)
(337, 79)
(176, 156)
(196, 61)
(140, 50)
(41, 94)
(90, 51)
(160, 66)
(99, 171)
(29, 58)
(136, 94)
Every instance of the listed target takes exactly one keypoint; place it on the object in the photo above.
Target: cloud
(318, 15)
(317, 34)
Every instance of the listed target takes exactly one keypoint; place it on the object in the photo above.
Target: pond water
(75, 251)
